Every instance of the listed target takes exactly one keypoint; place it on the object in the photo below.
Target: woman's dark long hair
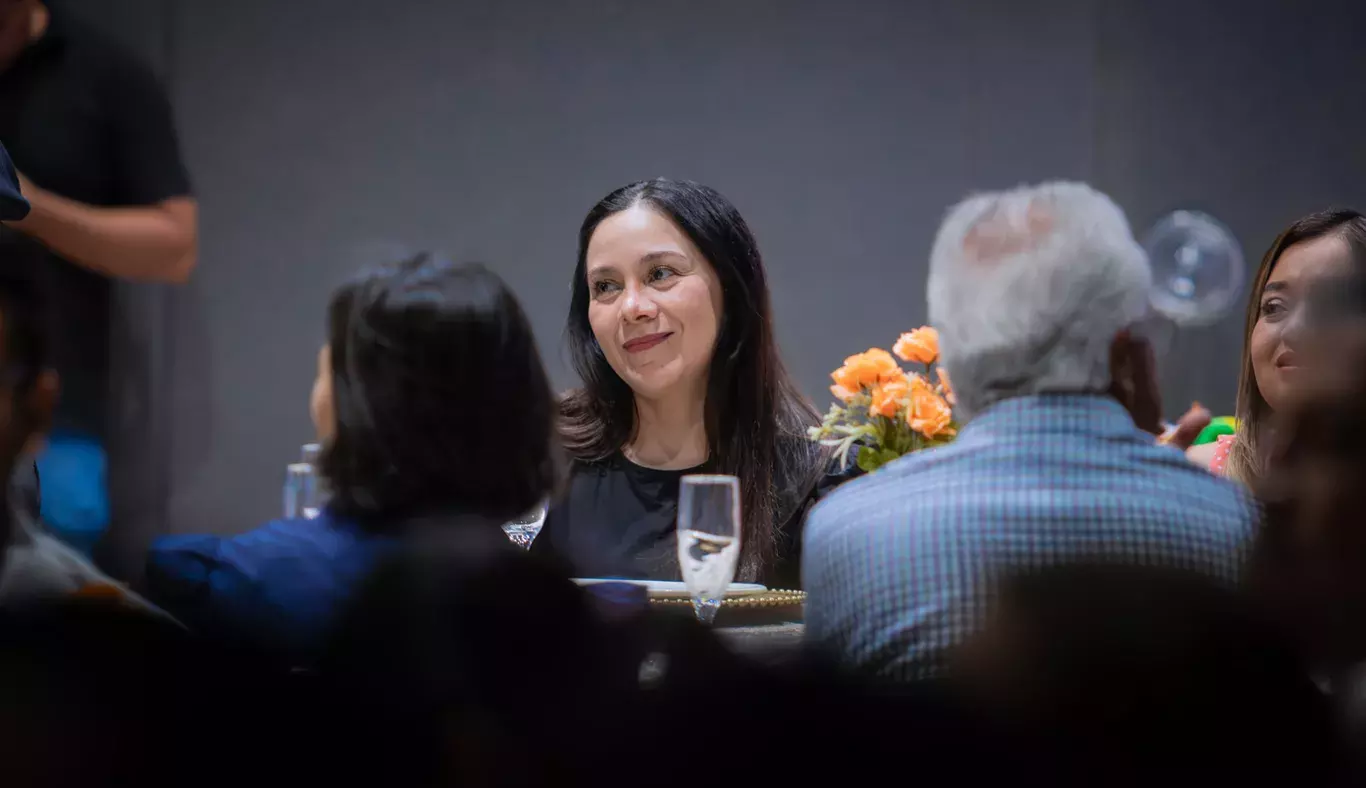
(1246, 458)
(442, 404)
(756, 418)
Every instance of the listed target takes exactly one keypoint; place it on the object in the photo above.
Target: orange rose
(866, 370)
(920, 346)
(947, 386)
(928, 413)
(888, 397)
(843, 394)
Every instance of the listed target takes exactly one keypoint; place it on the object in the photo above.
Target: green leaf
(911, 441)
(869, 459)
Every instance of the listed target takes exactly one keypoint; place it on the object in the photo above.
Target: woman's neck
(671, 433)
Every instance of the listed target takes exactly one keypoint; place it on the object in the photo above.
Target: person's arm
(156, 243)
(152, 234)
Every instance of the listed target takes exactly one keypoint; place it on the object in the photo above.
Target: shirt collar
(1057, 414)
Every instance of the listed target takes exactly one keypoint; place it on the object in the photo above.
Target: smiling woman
(671, 332)
(1314, 248)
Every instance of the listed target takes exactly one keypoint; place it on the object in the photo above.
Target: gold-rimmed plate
(768, 598)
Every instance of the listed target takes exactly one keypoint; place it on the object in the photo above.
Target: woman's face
(320, 401)
(1276, 344)
(654, 302)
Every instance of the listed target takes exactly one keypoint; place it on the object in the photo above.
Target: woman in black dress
(670, 331)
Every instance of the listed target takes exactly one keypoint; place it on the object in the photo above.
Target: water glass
(708, 539)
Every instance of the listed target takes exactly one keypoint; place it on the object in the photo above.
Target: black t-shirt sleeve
(143, 139)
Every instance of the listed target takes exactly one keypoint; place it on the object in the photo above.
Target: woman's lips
(641, 344)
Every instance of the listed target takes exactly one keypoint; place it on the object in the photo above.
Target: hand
(1187, 429)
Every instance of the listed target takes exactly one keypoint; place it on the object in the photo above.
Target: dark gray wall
(1252, 111)
(322, 132)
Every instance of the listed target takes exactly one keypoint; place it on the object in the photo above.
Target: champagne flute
(708, 539)
(524, 529)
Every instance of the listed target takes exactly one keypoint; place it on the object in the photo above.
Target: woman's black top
(617, 519)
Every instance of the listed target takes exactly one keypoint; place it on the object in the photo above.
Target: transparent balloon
(1198, 268)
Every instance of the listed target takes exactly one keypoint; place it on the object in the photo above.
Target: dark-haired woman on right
(671, 332)
(430, 369)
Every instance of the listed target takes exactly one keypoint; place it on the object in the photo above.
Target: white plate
(672, 588)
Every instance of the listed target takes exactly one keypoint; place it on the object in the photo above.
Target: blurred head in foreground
(1033, 291)
(1145, 667)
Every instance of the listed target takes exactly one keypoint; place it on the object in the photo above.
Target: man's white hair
(1028, 289)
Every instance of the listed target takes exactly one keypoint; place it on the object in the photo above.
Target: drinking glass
(708, 539)
(523, 530)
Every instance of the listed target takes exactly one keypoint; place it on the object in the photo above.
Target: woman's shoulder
(808, 471)
(277, 579)
(249, 553)
(1212, 456)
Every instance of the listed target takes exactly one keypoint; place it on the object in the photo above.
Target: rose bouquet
(885, 410)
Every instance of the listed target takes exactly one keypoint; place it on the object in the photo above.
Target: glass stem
(706, 609)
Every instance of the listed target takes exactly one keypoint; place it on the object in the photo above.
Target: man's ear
(38, 405)
(1121, 367)
(1133, 380)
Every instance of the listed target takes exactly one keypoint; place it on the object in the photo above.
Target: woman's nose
(1296, 326)
(638, 305)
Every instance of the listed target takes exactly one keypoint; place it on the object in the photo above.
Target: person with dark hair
(92, 134)
(1319, 246)
(671, 332)
(429, 371)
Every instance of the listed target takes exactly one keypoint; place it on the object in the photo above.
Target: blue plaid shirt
(897, 564)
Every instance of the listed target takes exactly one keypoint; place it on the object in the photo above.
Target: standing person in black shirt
(671, 333)
(90, 130)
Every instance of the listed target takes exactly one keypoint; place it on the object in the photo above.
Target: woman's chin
(653, 382)
(650, 388)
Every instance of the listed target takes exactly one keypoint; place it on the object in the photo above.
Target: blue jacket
(280, 586)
